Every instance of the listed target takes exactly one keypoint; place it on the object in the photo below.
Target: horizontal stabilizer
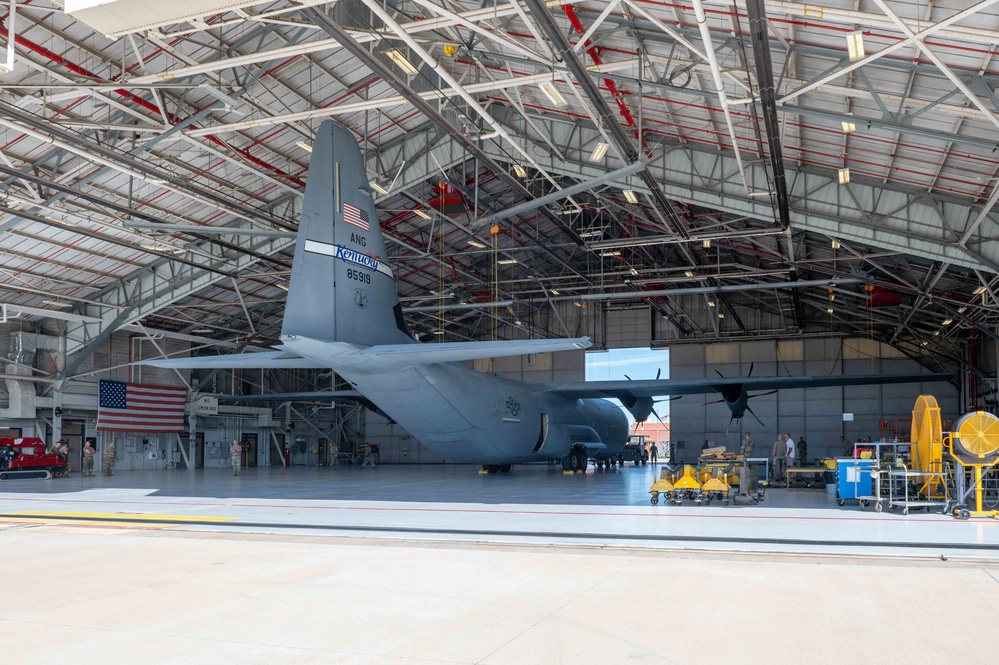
(429, 354)
(669, 387)
(264, 360)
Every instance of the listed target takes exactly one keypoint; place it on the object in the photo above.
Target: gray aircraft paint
(343, 313)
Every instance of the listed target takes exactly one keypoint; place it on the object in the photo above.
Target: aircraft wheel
(581, 466)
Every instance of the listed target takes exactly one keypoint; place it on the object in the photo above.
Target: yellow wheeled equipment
(974, 448)
(663, 486)
(716, 486)
(927, 446)
(687, 486)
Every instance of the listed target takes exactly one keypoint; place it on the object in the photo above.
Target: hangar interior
(816, 196)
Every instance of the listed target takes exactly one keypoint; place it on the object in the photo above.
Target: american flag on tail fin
(355, 217)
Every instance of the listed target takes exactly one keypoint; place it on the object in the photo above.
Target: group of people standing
(61, 448)
(787, 453)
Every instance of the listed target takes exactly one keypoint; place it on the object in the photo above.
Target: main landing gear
(496, 468)
(575, 460)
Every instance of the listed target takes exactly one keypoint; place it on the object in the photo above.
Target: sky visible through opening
(640, 364)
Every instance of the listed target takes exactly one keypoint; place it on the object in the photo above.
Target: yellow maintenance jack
(687, 485)
(663, 486)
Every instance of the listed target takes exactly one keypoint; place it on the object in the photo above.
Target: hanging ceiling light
(520, 171)
(476, 243)
(304, 146)
(378, 188)
(706, 244)
(631, 196)
(848, 127)
(844, 176)
(947, 322)
(979, 291)
(554, 292)
(610, 253)
(855, 45)
(552, 93)
(420, 213)
(688, 273)
(711, 303)
(599, 152)
(507, 262)
(404, 64)
(835, 244)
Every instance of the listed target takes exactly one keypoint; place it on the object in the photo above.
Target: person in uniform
(88, 460)
(746, 448)
(369, 457)
(654, 453)
(778, 456)
(107, 465)
(236, 456)
(62, 449)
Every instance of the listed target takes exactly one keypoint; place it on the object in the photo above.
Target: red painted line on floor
(873, 519)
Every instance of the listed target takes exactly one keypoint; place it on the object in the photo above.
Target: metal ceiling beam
(431, 113)
(560, 194)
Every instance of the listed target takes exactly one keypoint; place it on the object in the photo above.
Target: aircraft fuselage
(468, 416)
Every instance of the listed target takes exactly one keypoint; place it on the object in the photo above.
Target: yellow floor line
(55, 521)
(124, 517)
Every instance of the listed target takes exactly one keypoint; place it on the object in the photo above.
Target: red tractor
(27, 458)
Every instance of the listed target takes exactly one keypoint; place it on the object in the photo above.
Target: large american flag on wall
(133, 407)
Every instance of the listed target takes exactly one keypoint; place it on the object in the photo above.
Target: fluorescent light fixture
(552, 93)
(706, 244)
(578, 304)
(935, 333)
(57, 303)
(599, 152)
(404, 64)
(979, 291)
(610, 253)
(962, 310)
(720, 315)
(378, 188)
(282, 287)
(711, 303)
(304, 146)
(835, 244)
(519, 323)
(152, 248)
(476, 243)
(631, 196)
(554, 292)
(844, 176)
(830, 310)
(591, 234)
(519, 170)
(947, 322)
(420, 213)
(634, 271)
(438, 332)
(202, 331)
(855, 45)
(832, 297)
(688, 273)
(848, 127)
(925, 342)
(506, 262)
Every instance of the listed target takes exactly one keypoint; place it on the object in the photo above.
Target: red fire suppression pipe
(76, 69)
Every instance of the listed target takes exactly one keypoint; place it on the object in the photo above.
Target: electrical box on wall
(153, 454)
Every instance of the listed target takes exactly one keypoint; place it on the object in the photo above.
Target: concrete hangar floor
(438, 564)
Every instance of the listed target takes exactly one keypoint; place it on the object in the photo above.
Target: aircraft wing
(266, 359)
(670, 387)
(314, 396)
(428, 354)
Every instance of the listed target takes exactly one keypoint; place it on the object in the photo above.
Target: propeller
(659, 373)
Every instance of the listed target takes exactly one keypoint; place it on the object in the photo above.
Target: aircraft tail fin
(342, 288)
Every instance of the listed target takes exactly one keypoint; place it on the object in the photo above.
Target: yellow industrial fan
(973, 444)
(927, 445)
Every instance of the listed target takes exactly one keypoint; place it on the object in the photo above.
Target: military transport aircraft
(343, 314)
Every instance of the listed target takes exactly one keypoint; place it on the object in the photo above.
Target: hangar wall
(816, 413)
(398, 447)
